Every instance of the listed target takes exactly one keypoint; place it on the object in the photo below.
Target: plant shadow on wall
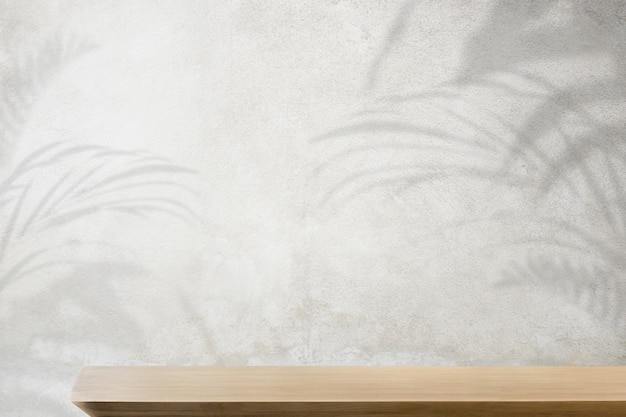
(26, 79)
(89, 180)
(59, 275)
(555, 73)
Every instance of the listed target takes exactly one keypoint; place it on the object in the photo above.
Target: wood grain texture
(351, 391)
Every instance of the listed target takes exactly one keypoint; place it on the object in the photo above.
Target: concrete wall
(311, 182)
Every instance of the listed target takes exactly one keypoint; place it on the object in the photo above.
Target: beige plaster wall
(311, 182)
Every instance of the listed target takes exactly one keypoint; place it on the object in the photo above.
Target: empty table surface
(351, 391)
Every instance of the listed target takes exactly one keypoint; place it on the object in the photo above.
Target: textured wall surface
(308, 182)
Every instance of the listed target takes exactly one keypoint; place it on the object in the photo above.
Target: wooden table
(312, 391)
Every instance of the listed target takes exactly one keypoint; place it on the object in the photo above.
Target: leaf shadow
(29, 76)
(571, 144)
(72, 312)
(598, 290)
(123, 182)
(394, 34)
(564, 144)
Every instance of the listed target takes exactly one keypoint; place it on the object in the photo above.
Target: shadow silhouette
(561, 66)
(89, 180)
(422, 144)
(74, 314)
(27, 79)
(597, 289)
(565, 133)
(395, 32)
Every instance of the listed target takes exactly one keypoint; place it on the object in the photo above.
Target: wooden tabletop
(351, 391)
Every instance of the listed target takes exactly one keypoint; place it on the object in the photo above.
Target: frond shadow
(48, 200)
(571, 144)
(410, 137)
(28, 78)
(564, 144)
(597, 289)
(90, 180)
(395, 32)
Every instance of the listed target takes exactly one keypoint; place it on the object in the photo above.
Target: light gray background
(308, 182)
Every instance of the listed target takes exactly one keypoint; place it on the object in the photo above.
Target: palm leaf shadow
(395, 32)
(90, 179)
(46, 195)
(86, 180)
(591, 164)
(457, 155)
(598, 290)
(387, 117)
(590, 161)
(516, 29)
(30, 75)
